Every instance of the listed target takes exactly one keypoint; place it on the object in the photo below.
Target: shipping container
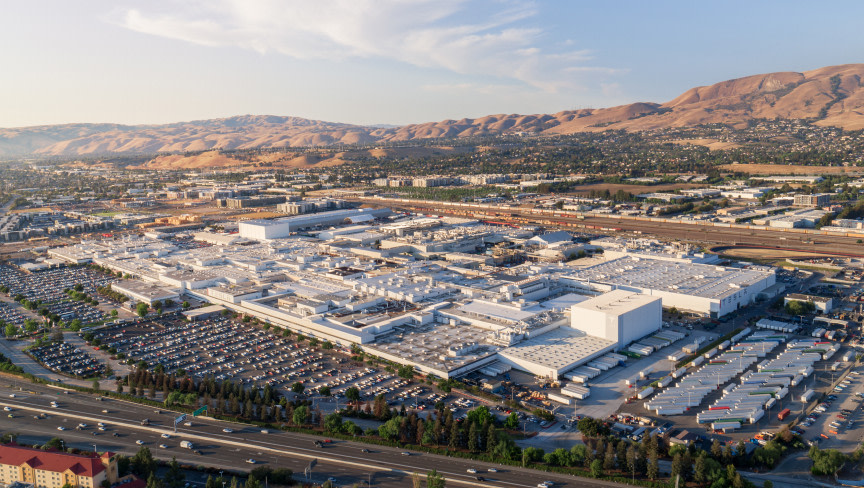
(783, 414)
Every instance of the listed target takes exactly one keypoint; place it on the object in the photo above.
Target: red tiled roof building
(53, 469)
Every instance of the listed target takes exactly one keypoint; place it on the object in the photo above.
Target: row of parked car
(68, 359)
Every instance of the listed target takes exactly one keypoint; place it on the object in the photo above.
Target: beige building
(53, 469)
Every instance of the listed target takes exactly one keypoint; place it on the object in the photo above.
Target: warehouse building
(707, 289)
(619, 316)
(551, 354)
(280, 228)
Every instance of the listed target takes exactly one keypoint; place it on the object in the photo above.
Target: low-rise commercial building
(53, 469)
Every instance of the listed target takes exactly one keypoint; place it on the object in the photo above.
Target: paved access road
(386, 467)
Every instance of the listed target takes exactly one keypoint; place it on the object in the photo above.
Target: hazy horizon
(391, 62)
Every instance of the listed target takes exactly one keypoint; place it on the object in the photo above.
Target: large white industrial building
(619, 316)
(279, 228)
(703, 288)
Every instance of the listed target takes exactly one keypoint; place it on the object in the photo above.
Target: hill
(830, 96)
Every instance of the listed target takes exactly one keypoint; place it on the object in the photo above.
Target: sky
(392, 61)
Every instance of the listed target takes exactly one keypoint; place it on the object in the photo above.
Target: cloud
(435, 34)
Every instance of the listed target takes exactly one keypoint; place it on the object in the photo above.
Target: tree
(333, 423)
(142, 309)
(609, 456)
(298, 388)
(324, 390)
(434, 480)
(211, 482)
(596, 468)
(716, 450)
(826, 462)
(797, 307)
(185, 304)
(531, 455)
(653, 470)
(174, 477)
(699, 473)
(11, 330)
(142, 462)
(511, 422)
(677, 466)
(590, 427)
(301, 413)
(53, 443)
(153, 481)
(352, 394)
(473, 438)
(389, 429)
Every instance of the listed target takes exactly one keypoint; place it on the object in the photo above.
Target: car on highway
(265, 431)
(364, 450)
(101, 424)
(61, 428)
(165, 436)
(82, 425)
(163, 446)
(7, 409)
(331, 479)
(480, 478)
(405, 453)
(227, 430)
(115, 434)
(139, 442)
(472, 470)
(492, 470)
(54, 404)
(251, 461)
(105, 410)
(11, 395)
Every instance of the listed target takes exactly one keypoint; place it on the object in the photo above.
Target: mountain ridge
(829, 96)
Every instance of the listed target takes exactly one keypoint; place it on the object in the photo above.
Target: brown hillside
(830, 96)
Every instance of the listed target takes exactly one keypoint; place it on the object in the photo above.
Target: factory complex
(441, 294)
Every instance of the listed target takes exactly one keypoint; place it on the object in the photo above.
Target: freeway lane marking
(279, 450)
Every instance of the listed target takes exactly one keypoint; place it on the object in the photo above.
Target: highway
(675, 231)
(383, 466)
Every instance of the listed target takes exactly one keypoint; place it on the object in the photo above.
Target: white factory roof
(694, 279)
(616, 302)
(498, 311)
(564, 302)
(558, 349)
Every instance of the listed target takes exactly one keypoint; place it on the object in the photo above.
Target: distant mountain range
(831, 96)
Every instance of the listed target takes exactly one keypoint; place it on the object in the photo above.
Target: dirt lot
(635, 189)
(757, 253)
(712, 144)
(789, 169)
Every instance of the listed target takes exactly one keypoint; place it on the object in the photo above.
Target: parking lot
(47, 288)
(836, 422)
(11, 315)
(68, 359)
(228, 349)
